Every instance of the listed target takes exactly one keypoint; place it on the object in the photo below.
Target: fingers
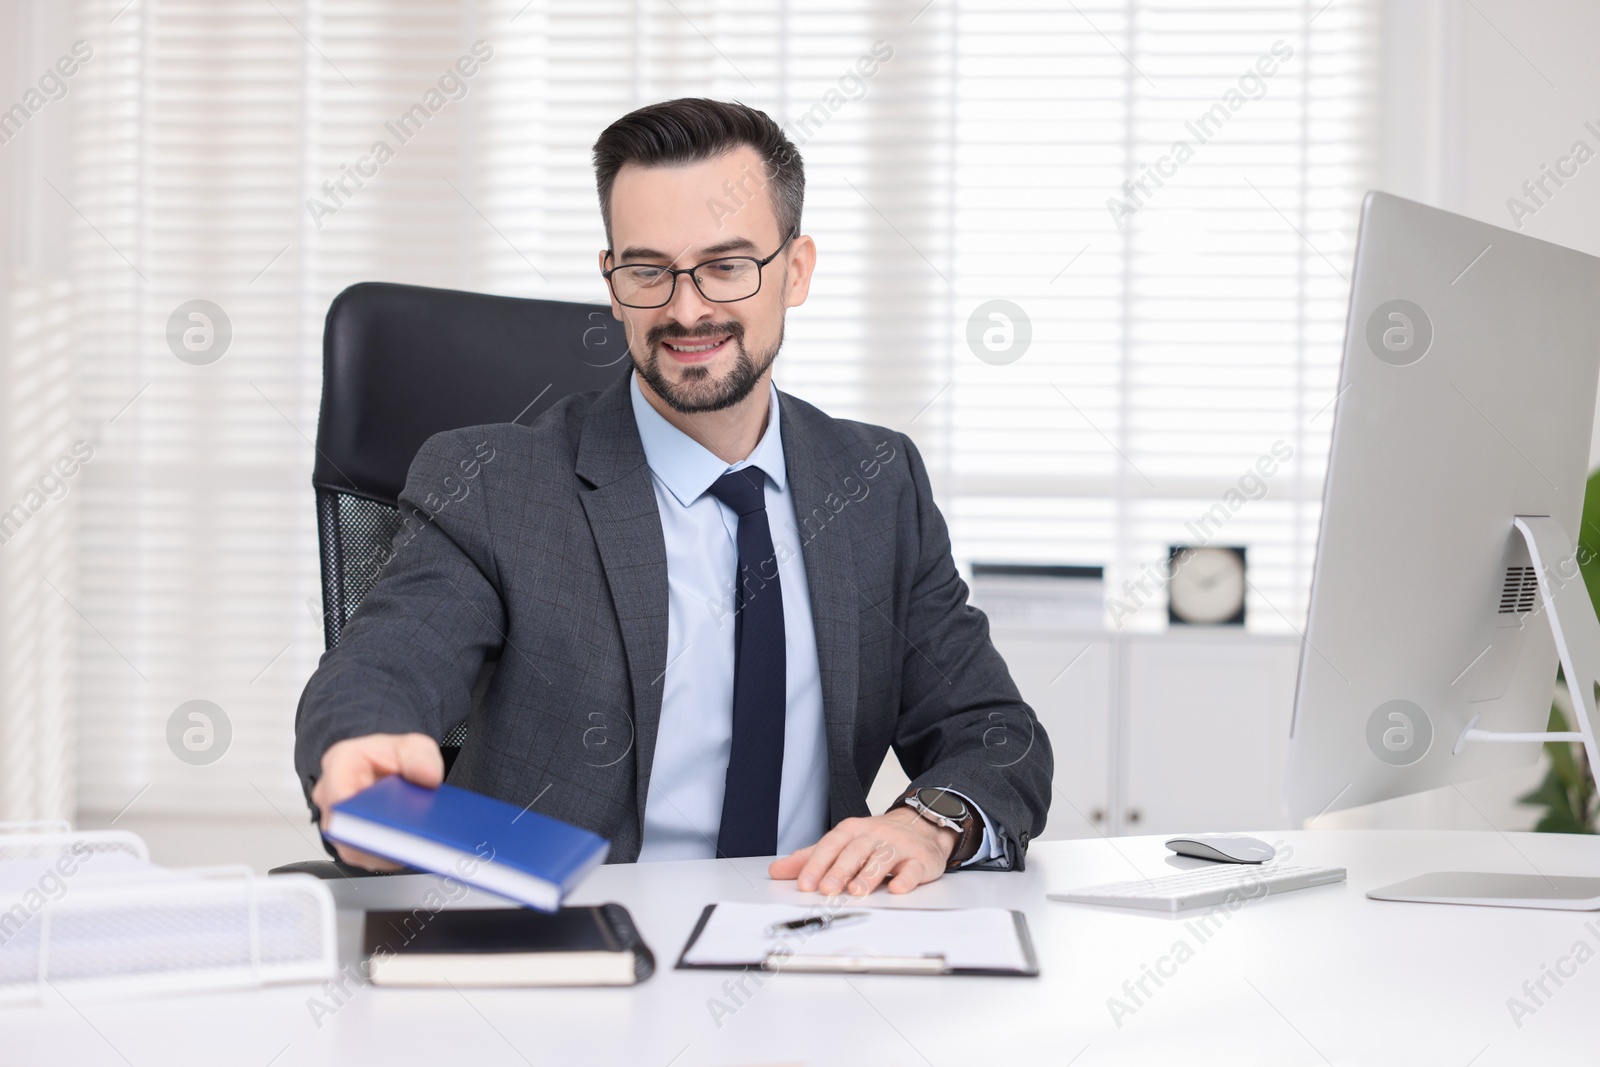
(344, 773)
(824, 852)
(880, 864)
(911, 874)
(419, 760)
(850, 861)
(789, 866)
(356, 858)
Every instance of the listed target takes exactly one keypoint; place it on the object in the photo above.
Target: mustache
(667, 332)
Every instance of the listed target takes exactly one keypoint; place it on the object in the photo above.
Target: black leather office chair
(403, 362)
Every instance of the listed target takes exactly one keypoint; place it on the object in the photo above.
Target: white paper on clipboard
(735, 934)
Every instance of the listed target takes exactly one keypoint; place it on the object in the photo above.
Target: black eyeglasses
(721, 281)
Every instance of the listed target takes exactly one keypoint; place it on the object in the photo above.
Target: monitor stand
(1577, 632)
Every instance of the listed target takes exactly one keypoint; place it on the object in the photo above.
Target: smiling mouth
(696, 348)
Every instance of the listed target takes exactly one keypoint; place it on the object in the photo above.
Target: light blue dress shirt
(683, 808)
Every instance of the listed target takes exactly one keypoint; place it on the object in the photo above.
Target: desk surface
(1316, 976)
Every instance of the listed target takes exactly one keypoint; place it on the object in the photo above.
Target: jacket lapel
(831, 581)
(623, 516)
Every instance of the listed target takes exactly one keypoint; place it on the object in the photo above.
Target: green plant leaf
(1589, 538)
(1562, 764)
(1560, 823)
(1550, 794)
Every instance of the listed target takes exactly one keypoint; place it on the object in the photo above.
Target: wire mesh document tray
(87, 914)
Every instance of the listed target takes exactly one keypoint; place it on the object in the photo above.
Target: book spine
(619, 925)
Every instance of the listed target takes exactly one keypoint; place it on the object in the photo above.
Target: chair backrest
(403, 362)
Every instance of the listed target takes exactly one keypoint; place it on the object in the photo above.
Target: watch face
(943, 802)
(1208, 586)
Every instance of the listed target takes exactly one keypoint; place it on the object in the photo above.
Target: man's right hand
(351, 765)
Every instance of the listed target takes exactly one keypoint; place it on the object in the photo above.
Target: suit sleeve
(407, 659)
(962, 724)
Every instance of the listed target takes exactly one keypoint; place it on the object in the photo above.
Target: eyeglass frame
(675, 271)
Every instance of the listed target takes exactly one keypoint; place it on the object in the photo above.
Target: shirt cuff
(990, 848)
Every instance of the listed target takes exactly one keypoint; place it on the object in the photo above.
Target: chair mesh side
(356, 534)
(356, 537)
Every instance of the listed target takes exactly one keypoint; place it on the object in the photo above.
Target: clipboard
(931, 963)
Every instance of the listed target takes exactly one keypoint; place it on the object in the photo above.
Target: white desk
(1316, 976)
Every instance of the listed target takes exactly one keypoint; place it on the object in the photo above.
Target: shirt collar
(685, 466)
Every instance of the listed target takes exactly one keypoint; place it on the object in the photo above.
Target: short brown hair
(692, 129)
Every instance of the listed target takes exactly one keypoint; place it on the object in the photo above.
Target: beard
(698, 391)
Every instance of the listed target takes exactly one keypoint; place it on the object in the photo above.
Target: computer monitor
(1446, 582)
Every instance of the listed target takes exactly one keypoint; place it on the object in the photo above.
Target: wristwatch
(944, 808)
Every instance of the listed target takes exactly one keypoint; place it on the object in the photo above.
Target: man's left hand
(859, 853)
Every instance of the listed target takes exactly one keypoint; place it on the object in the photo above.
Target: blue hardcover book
(486, 843)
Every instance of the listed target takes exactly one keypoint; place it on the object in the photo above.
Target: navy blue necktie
(755, 762)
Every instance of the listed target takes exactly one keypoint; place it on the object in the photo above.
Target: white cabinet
(1204, 731)
(1068, 683)
(1184, 730)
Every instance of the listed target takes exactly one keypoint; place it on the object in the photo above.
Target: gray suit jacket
(541, 547)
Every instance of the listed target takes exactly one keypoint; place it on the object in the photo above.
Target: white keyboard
(1203, 886)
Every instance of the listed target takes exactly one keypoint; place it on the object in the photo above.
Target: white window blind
(1182, 331)
(41, 473)
(973, 164)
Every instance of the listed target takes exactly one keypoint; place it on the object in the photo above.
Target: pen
(820, 922)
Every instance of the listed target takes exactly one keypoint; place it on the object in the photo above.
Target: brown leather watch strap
(971, 836)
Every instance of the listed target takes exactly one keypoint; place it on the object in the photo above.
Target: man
(714, 608)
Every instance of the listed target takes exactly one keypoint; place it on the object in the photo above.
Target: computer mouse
(1224, 848)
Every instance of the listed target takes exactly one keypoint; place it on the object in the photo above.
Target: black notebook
(595, 945)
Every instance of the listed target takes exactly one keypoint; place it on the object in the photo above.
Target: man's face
(681, 217)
